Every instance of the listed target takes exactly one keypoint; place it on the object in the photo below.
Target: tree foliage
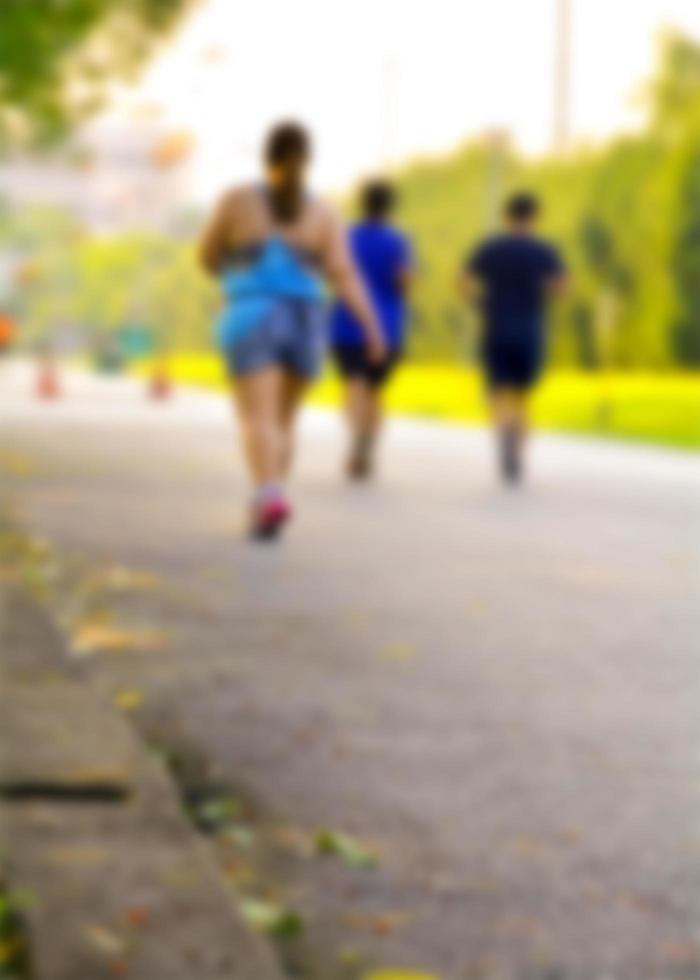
(626, 214)
(58, 56)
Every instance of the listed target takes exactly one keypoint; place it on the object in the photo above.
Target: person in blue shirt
(511, 276)
(382, 254)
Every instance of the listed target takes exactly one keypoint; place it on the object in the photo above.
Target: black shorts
(512, 363)
(352, 362)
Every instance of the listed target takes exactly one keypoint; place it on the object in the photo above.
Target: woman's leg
(257, 396)
(293, 388)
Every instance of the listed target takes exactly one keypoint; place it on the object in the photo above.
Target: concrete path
(496, 690)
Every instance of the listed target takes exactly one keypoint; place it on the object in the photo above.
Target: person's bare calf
(509, 407)
(257, 398)
(364, 414)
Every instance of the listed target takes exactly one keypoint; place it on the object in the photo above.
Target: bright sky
(382, 80)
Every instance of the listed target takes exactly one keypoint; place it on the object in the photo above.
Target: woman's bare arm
(214, 243)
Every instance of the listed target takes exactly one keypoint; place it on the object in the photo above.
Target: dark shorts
(352, 362)
(512, 362)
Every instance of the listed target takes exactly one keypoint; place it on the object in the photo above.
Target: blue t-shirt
(514, 270)
(381, 253)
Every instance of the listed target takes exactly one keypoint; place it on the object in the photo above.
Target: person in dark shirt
(382, 254)
(511, 277)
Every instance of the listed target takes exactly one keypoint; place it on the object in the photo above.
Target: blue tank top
(259, 277)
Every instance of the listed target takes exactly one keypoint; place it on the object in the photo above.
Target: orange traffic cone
(47, 384)
(161, 385)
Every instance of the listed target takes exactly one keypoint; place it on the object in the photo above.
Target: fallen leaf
(349, 956)
(276, 920)
(216, 814)
(10, 948)
(122, 579)
(294, 840)
(81, 856)
(399, 652)
(398, 974)
(138, 916)
(239, 873)
(385, 925)
(38, 547)
(345, 847)
(96, 638)
(99, 774)
(15, 464)
(129, 699)
(105, 941)
(239, 835)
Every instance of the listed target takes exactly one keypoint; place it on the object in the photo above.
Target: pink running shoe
(269, 517)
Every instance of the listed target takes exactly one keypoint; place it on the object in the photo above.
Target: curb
(121, 883)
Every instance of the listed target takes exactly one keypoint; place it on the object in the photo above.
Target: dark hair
(522, 206)
(287, 142)
(378, 199)
(288, 145)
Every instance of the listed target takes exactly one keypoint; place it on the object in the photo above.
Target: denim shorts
(291, 334)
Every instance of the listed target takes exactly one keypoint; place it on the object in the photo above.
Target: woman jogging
(383, 255)
(272, 245)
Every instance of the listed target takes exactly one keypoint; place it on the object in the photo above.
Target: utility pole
(562, 76)
(390, 111)
(496, 148)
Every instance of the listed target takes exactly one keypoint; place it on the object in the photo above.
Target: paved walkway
(497, 690)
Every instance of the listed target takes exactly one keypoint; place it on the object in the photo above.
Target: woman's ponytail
(287, 150)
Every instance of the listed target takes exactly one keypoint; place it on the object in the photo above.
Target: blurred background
(120, 125)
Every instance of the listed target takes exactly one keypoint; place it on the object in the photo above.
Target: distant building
(114, 176)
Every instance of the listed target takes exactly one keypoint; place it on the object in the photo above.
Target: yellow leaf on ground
(104, 940)
(82, 856)
(9, 948)
(120, 579)
(129, 700)
(399, 975)
(97, 638)
(399, 651)
(15, 464)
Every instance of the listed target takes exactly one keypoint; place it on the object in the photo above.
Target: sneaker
(269, 518)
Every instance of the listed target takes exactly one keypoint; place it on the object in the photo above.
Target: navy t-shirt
(381, 253)
(514, 270)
